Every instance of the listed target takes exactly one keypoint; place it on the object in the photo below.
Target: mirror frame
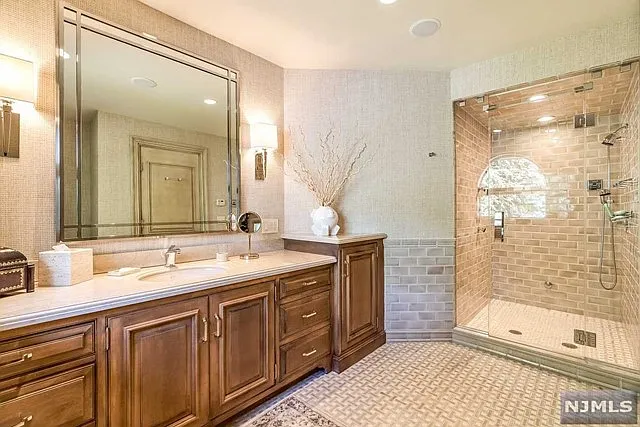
(170, 52)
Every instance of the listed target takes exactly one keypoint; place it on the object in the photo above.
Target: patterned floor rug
(292, 413)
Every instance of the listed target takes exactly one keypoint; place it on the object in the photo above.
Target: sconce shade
(16, 79)
(264, 136)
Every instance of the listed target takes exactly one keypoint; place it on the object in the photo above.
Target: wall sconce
(16, 84)
(264, 137)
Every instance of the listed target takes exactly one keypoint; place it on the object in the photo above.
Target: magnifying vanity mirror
(249, 222)
(148, 135)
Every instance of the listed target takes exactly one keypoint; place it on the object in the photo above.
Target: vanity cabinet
(187, 360)
(158, 366)
(242, 346)
(360, 306)
(358, 294)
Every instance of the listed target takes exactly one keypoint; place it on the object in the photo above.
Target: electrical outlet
(221, 202)
(269, 225)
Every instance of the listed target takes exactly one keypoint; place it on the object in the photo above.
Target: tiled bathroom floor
(548, 329)
(425, 384)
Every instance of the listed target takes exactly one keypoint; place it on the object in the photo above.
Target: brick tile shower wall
(563, 247)
(419, 282)
(473, 245)
(628, 240)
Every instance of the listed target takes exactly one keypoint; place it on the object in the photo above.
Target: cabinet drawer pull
(306, 316)
(24, 358)
(312, 352)
(205, 336)
(313, 282)
(24, 421)
(218, 332)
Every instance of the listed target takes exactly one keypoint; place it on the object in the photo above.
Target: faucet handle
(173, 249)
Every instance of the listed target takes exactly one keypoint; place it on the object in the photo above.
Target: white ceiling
(364, 34)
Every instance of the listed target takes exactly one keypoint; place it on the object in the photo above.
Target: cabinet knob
(311, 283)
(306, 316)
(25, 420)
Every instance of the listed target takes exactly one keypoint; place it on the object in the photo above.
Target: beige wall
(614, 41)
(403, 116)
(473, 233)
(27, 208)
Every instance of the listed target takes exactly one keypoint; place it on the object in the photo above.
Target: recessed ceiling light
(143, 82)
(425, 27)
(538, 98)
(209, 101)
(497, 130)
(545, 119)
(388, 1)
(64, 54)
(149, 36)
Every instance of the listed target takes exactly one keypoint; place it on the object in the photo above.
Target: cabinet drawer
(304, 352)
(62, 400)
(296, 316)
(304, 282)
(31, 352)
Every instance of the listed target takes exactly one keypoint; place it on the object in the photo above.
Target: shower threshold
(584, 369)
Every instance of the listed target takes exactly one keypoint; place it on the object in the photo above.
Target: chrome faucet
(170, 256)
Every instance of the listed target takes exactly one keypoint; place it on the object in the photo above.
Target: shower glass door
(612, 282)
(536, 198)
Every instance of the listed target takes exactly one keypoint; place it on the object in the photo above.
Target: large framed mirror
(148, 135)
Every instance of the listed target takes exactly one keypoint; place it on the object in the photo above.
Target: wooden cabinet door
(158, 366)
(242, 345)
(360, 293)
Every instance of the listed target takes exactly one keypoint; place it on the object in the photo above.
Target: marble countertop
(335, 240)
(104, 292)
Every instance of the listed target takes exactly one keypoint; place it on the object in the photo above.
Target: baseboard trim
(403, 336)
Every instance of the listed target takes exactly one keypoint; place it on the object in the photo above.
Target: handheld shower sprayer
(608, 213)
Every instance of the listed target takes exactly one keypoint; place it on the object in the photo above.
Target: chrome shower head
(613, 136)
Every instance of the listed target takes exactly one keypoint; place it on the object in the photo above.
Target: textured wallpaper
(27, 195)
(603, 45)
(27, 204)
(402, 116)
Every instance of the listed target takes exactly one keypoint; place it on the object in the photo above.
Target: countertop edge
(66, 312)
(334, 240)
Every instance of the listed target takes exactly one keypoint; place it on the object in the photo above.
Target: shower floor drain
(515, 332)
(569, 345)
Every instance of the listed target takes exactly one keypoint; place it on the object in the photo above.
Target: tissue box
(65, 268)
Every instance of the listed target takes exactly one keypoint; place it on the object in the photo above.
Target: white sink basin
(182, 274)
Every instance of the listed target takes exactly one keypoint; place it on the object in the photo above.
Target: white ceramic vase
(325, 221)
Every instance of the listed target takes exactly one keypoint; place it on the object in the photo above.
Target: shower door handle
(498, 226)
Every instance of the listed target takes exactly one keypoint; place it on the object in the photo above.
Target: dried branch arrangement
(326, 170)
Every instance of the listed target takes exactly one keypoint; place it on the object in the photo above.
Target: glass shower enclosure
(553, 235)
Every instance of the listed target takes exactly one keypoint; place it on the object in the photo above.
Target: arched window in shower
(515, 186)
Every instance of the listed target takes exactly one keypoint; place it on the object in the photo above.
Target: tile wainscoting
(419, 289)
